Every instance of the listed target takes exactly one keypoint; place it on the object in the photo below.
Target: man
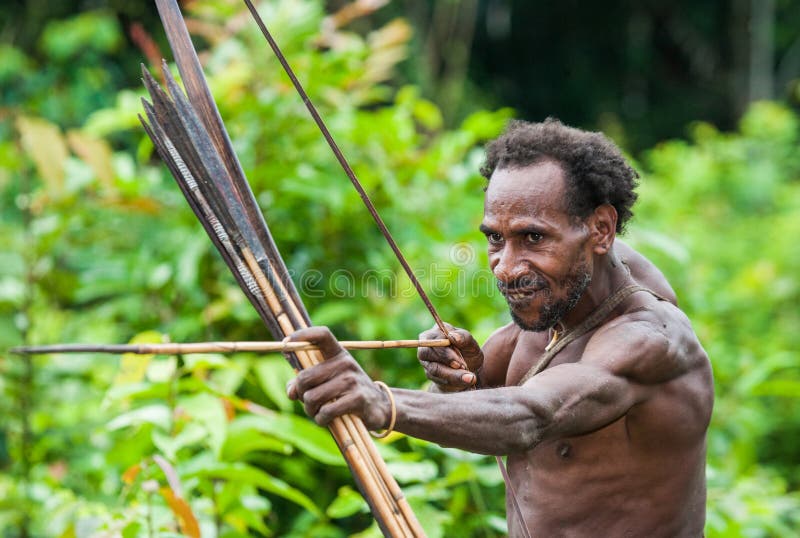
(599, 392)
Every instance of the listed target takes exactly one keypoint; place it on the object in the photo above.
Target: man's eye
(534, 237)
(494, 237)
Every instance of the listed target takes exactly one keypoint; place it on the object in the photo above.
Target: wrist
(391, 416)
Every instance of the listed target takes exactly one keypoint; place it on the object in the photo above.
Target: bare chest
(530, 350)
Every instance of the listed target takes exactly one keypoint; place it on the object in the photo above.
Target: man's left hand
(337, 386)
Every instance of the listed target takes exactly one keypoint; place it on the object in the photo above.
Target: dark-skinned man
(598, 393)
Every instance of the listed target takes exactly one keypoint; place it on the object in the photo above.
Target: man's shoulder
(644, 272)
(651, 342)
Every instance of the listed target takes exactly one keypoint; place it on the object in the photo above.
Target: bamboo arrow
(187, 348)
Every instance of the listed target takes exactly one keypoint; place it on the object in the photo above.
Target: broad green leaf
(156, 414)
(246, 520)
(137, 391)
(193, 433)
(431, 519)
(498, 523)
(197, 361)
(207, 410)
(228, 380)
(240, 441)
(347, 502)
(484, 124)
(309, 438)
(412, 471)
(252, 475)
(162, 370)
(273, 373)
(489, 474)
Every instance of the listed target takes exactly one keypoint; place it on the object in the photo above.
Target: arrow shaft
(220, 347)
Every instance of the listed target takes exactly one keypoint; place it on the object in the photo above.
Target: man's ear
(602, 228)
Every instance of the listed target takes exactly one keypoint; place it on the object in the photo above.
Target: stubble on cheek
(553, 310)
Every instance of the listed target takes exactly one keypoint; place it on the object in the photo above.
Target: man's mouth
(517, 297)
(520, 294)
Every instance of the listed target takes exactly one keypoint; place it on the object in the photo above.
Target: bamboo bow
(384, 231)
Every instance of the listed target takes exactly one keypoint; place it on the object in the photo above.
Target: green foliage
(97, 245)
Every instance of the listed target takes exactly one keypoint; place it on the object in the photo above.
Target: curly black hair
(595, 170)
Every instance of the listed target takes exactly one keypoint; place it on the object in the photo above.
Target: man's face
(537, 252)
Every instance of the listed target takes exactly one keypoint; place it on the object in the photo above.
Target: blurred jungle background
(97, 244)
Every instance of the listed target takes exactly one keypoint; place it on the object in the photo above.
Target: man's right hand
(452, 368)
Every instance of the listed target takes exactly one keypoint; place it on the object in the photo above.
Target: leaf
(489, 474)
(197, 361)
(170, 473)
(240, 472)
(96, 152)
(499, 524)
(133, 367)
(413, 471)
(12, 291)
(131, 473)
(121, 117)
(388, 48)
(352, 11)
(273, 373)
(162, 370)
(484, 124)
(431, 519)
(157, 414)
(241, 441)
(228, 380)
(347, 502)
(191, 434)
(14, 65)
(209, 411)
(664, 243)
(309, 438)
(428, 115)
(245, 519)
(45, 144)
(183, 512)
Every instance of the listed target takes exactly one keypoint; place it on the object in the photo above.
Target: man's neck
(609, 275)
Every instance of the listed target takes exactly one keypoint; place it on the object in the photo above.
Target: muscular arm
(619, 368)
(569, 399)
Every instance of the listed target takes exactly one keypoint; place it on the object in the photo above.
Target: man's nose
(508, 265)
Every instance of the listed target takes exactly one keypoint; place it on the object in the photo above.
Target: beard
(551, 310)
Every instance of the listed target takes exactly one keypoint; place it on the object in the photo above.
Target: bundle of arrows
(190, 137)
